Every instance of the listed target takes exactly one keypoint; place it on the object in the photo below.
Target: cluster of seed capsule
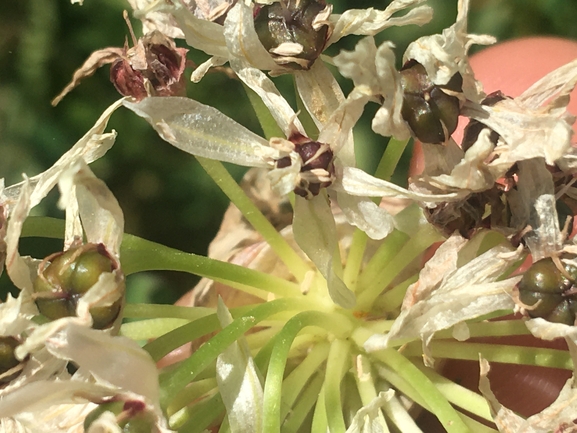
(548, 290)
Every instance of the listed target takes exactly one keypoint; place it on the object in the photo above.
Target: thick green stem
(254, 216)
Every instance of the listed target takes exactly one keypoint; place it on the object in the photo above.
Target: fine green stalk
(366, 387)
(392, 299)
(166, 343)
(306, 401)
(390, 158)
(150, 328)
(520, 355)
(181, 376)
(145, 311)
(457, 394)
(389, 247)
(335, 323)
(338, 360)
(254, 216)
(269, 126)
(437, 403)
(294, 383)
(416, 245)
(320, 423)
(142, 255)
(196, 392)
(355, 259)
(44, 227)
(200, 416)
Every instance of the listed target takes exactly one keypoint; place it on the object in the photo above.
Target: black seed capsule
(291, 21)
(315, 156)
(67, 276)
(432, 114)
(543, 282)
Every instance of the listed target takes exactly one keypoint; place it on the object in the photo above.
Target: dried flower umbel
(338, 321)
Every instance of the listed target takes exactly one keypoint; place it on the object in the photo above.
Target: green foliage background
(165, 195)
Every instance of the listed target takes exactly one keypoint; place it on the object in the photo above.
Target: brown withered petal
(154, 67)
(96, 60)
(127, 81)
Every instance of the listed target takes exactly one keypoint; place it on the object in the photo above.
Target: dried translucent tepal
(191, 126)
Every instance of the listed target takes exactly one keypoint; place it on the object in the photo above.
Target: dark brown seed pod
(317, 170)
(549, 291)
(286, 25)
(64, 277)
(431, 111)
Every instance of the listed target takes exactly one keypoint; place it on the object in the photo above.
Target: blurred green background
(165, 195)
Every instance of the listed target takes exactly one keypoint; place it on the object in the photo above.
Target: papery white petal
(363, 213)
(242, 40)
(238, 382)
(446, 295)
(388, 120)
(41, 395)
(527, 133)
(366, 420)
(374, 68)
(279, 108)
(471, 173)
(356, 182)
(155, 16)
(338, 130)
(204, 131)
(315, 232)
(445, 55)
(203, 68)
(532, 203)
(546, 330)
(283, 180)
(201, 34)
(558, 84)
(319, 91)
(441, 160)
(16, 267)
(371, 21)
(93, 145)
(102, 218)
(118, 360)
